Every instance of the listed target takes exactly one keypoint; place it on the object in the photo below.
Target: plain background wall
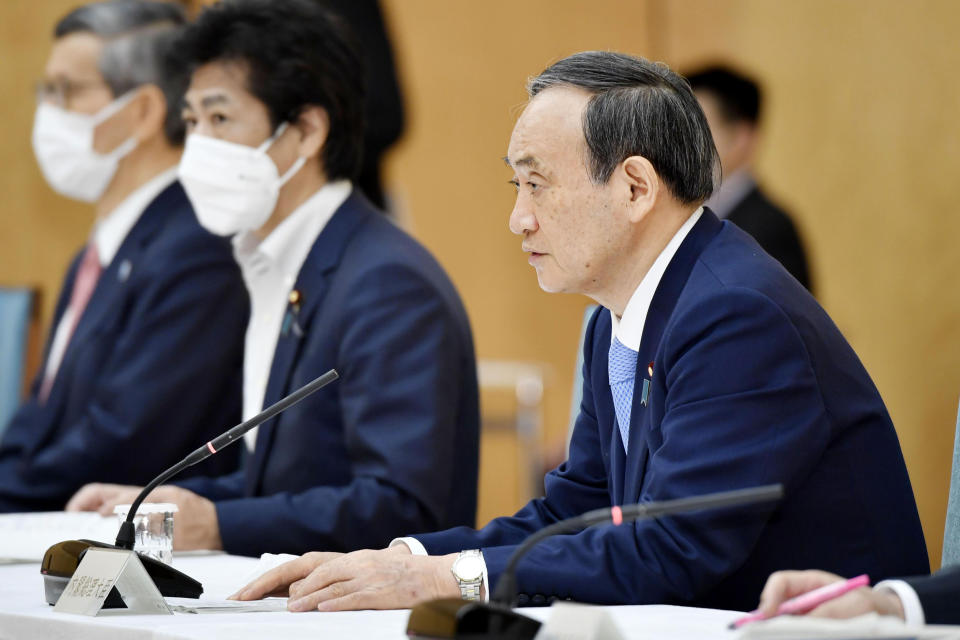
(862, 145)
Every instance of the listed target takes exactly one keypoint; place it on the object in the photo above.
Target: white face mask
(63, 144)
(232, 187)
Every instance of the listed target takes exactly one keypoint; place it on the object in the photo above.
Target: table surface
(25, 614)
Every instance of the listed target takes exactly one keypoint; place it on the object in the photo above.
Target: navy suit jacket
(152, 371)
(939, 595)
(392, 446)
(773, 230)
(752, 384)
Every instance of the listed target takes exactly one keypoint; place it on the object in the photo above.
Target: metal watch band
(469, 589)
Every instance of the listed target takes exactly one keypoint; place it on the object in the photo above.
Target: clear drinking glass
(153, 526)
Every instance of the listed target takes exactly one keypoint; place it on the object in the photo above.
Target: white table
(25, 614)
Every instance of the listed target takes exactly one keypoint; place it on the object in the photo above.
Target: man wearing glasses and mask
(143, 360)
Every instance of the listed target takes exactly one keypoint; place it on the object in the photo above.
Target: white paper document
(192, 605)
(25, 537)
(867, 626)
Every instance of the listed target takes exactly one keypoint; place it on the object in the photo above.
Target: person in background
(143, 362)
(383, 106)
(732, 104)
(707, 368)
(274, 118)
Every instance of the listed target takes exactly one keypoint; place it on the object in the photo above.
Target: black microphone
(454, 618)
(62, 559)
(126, 534)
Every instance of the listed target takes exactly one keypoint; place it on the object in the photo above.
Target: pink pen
(808, 601)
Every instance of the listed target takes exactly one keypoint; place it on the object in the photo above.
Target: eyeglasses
(59, 92)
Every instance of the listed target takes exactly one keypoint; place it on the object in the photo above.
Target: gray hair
(640, 108)
(137, 35)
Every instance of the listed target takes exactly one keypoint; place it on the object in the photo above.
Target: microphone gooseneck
(506, 590)
(126, 535)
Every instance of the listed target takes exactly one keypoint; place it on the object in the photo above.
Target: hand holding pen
(821, 594)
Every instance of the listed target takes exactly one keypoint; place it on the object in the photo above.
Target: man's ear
(148, 110)
(313, 126)
(642, 184)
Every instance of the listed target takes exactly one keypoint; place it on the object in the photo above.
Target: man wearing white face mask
(274, 116)
(144, 357)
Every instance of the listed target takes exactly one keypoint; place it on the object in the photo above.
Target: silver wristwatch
(468, 571)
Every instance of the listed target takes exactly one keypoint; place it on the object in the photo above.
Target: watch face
(469, 568)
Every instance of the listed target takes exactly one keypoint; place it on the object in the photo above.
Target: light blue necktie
(622, 367)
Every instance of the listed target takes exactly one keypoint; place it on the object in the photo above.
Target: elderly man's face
(72, 80)
(574, 231)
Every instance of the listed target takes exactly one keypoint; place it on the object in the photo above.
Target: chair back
(16, 306)
(951, 534)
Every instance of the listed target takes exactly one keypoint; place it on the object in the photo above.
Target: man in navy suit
(273, 112)
(144, 359)
(710, 369)
(731, 102)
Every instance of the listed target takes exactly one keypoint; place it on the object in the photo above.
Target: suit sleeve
(741, 408)
(183, 331)
(939, 595)
(577, 485)
(225, 487)
(402, 359)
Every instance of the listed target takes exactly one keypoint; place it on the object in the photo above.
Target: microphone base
(62, 559)
(469, 620)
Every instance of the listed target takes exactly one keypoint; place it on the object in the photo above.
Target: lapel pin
(290, 319)
(123, 272)
(650, 369)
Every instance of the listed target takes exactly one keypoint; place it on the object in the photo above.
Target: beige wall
(862, 145)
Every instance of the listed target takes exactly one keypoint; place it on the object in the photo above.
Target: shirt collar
(732, 191)
(110, 232)
(629, 329)
(287, 246)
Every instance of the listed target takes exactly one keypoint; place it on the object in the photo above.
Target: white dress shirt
(912, 609)
(108, 234)
(732, 191)
(628, 329)
(270, 269)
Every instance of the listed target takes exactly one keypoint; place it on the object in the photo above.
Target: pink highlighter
(808, 601)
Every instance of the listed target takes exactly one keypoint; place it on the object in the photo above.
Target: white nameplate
(101, 570)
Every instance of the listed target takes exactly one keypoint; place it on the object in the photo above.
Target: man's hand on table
(390, 578)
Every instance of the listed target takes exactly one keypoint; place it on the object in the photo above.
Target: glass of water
(153, 528)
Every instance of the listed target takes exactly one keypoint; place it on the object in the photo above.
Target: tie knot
(622, 362)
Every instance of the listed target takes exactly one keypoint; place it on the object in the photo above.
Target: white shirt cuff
(912, 610)
(416, 548)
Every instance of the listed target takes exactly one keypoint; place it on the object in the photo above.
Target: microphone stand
(63, 558)
(125, 536)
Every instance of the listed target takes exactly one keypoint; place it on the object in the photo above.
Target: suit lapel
(661, 308)
(606, 413)
(313, 282)
(112, 284)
